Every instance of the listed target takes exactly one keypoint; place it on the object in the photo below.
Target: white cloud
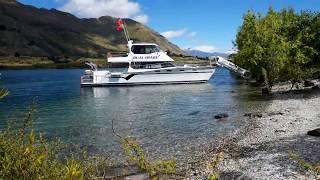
(232, 51)
(205, 48)
(98, 8)
(141, 18)
(192, 34)
(178, 33)
(174, 34)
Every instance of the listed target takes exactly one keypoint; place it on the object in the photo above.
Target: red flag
(119, 25)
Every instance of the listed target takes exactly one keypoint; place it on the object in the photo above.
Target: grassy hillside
(33, 32)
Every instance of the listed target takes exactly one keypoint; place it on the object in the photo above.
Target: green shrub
(135, 154)
(218, 158)
(137, 157)
(25, 154)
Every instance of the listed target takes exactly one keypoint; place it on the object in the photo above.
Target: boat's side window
(138, 49)
(144, 49)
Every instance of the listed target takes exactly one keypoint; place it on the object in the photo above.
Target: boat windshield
(145, 49)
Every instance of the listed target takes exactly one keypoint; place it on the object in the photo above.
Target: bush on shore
(280, 46)
(25, 154)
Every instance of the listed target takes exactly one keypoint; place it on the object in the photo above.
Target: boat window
(151, 65)
(145, 49)
(167, 64)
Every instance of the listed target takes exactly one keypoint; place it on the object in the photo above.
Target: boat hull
(176, 76)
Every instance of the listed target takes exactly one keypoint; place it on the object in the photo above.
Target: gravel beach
(263, 152)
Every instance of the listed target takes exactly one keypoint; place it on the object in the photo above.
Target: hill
(29, 31)
(202, 54)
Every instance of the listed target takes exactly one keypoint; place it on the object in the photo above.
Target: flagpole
(126, 30)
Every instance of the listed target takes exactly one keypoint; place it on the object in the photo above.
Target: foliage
(3, 93)
(214, 176)
(25, 154)
(219, 157)
(136, 155)
(279, 46)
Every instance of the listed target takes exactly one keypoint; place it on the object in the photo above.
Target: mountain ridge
(203, 54)
(31, 31)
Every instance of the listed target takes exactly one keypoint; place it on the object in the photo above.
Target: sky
(205, 25)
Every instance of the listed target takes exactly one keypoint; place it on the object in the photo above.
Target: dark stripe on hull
(146, 83)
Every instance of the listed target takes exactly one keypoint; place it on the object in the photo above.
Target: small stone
(275, 113)
(265, 91)
(221, 115)
(315, 132)
(308, 83)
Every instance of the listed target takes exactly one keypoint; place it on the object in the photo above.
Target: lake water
(167, 120)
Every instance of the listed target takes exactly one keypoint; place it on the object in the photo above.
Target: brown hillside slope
(30, 31)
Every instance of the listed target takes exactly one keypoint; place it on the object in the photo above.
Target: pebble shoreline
(263, 153)
(261, 148)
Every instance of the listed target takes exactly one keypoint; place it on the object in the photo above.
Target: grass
(181, 60)
(136, 156)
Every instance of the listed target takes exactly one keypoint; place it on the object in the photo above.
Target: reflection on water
(168, 120)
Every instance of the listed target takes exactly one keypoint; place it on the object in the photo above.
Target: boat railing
(117, 54)
(86, 79)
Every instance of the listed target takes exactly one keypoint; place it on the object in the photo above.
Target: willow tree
(276, 47)
(261, 48)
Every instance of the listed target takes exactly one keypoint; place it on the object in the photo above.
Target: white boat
(147, 64)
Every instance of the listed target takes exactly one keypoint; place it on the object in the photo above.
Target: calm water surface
(168, 120)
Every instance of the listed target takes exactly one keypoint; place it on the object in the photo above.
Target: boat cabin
(143, 56)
